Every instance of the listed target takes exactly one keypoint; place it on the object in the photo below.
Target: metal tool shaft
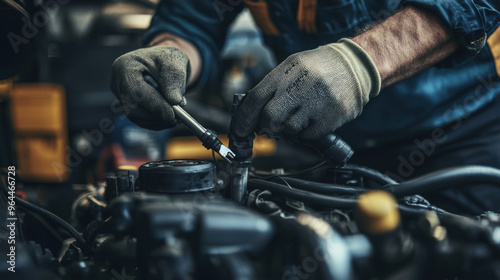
(189, 121)
(207, 137)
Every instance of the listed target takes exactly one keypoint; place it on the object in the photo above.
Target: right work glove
(311, 93)
(143, 104)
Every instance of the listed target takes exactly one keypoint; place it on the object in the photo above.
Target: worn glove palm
(311, 93)
(144, 105)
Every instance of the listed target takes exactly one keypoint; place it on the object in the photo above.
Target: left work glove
(311, 93)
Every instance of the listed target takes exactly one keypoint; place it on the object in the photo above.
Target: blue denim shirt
(452, 90)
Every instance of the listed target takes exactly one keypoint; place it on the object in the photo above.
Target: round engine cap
(377, 212)
(177, 176)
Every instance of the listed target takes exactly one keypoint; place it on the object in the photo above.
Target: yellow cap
(377, 212)
(127, 167)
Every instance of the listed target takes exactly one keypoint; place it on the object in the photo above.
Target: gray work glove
(144, 105)
(311, 93)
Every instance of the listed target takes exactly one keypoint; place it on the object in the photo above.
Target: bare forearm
(166, 39)
(407, 43)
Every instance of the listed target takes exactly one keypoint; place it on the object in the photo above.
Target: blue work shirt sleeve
(471, 20)
(204, 23)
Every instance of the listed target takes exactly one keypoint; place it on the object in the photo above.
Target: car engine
(198, 219)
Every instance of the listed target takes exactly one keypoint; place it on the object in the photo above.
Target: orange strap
(494, 44)
(261, 15)
(306, 15)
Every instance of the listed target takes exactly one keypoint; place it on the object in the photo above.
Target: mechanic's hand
(144, 105)
(311, 93)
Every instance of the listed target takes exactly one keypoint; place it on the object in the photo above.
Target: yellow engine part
(377, 212)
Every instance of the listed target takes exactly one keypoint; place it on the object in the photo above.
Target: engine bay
(179, 219)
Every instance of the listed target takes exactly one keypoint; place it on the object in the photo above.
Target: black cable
(48, 215)
(447, 178)
(284, 181)
(56, 219)
(308, 169)
(44, 223)
(370, 174)
(348, 203)
(419, 211)
(335, 202)
(271, 175)
(412, 211)
(216, 161)
(305, 196)
(323, 188)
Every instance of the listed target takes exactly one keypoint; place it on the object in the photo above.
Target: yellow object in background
(127, 167)
(39, 121)
(6, 87)
(191, 148)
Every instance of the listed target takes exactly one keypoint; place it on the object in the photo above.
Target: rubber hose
(305, 196)
(447, 178)
(44, 213)
(56, 219)
(323, 188)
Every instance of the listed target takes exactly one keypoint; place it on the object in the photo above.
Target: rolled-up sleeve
(471, 20)
(204, 23)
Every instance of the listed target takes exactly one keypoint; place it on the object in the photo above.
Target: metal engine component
(177, 176)
(170, 221)
(242, 148)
